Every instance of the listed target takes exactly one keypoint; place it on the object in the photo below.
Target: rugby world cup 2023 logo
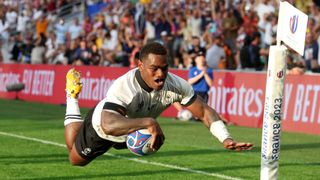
(280, 74)
(294, 23)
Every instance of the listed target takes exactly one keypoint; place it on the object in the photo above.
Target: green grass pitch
(32, 147)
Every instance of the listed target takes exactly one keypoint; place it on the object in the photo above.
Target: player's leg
(73, 120)
(88, 144)
(81, 138)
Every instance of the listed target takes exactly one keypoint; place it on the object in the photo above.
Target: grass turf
(188, 146)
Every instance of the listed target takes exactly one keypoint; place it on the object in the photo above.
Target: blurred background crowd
(233, 34)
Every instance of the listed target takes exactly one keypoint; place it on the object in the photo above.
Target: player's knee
(75, 162)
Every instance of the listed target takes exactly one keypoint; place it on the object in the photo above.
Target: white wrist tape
(219, 130)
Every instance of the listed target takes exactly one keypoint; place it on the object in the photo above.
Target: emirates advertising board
(237, 96)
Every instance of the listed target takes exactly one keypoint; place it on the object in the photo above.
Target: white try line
(130, 159)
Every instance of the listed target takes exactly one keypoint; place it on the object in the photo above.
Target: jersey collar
(141, 82)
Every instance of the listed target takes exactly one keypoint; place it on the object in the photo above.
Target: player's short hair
(152, 48)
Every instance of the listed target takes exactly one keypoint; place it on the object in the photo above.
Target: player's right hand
(236, 146)
(157, 135)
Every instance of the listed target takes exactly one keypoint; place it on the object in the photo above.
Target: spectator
(37, 13)
(75, 29)
(230, 62)
(230, 28)
(17, 48)
(87, 26)
(162, 24)
(51, 46)
(96, 57)
(137, 44)
(264, 9)
(11, 17)
(216, 54)
(250, 22)
(201, 77)
(196, 23)
(4, 35)
(61, 30)
(109, 49)
(26, 50)
(51, 6)
(193, 49)
(42, 26)
(23, 20)
(70, 52)
(270, 30)
(99, 37)
(245, 59)
(311, 53)
(167, 41)
(150, 32)
(83, 53)
(251, 53)
(206, 18)
(296, 68)
(38, 52)
(60, 57)
(139, 19)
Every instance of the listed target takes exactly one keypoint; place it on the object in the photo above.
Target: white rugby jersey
(130, 96)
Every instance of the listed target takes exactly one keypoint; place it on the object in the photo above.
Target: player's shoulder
(127, 77)
(173, 77)
(123, 82)
(176, 81)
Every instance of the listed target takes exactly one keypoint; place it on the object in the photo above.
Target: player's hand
(157, 135)
(236, 146)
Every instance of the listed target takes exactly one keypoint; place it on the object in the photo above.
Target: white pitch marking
(130, 159)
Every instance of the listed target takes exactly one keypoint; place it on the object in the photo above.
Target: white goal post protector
(271, 129)
(291, 30)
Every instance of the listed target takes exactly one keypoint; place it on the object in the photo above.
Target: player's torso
(151, 104)
(138, 100)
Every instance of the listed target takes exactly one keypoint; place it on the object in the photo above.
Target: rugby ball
(139, 142)
(184, 115)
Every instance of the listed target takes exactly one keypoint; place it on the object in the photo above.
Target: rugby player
(133, 102)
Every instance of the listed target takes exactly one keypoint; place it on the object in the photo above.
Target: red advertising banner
(238, 96)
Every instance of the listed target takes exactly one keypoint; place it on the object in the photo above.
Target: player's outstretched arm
(236, 146)
(117, 125)
(214, 123)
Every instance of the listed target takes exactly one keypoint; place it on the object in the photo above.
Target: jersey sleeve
(186, 91)
(118, 97)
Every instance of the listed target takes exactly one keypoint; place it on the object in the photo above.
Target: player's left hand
(236, 146)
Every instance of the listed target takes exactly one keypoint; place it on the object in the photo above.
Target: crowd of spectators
(234, 34)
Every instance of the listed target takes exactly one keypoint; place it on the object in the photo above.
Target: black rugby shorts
(88, 144)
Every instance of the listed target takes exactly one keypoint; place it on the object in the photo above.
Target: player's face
(154, 70)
